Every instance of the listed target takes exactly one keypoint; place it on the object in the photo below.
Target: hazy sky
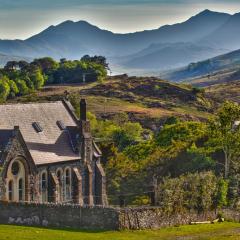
(23, 18)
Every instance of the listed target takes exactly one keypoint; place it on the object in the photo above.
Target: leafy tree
(195, 191)
(224, 134)
(47, 65)
(37, 79)
(23, 89)
(128, 134)
(186, 132)
(13, 88)
(222, 192)
(4, 89)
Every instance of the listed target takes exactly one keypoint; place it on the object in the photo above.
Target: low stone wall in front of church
(100, 218)
(59, 216)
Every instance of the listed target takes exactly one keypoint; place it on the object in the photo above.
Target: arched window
(60, 180)
(67, 184)
(44, 181)
(44, 187)
(67, 177)
(20, 189)
(10, 190)
(59, 176)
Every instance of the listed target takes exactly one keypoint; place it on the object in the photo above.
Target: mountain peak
(209, 13)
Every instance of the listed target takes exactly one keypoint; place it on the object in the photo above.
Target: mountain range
(203, 36)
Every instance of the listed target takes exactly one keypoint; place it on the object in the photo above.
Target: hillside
(5, 58)
(72, 40)
(149, 101)
(226, 64)
(225, 91)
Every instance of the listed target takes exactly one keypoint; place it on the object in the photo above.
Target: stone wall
(107, 218)
(231, 215)
(65, 216)
(154, 218)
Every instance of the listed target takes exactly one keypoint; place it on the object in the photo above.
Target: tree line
(19, 78)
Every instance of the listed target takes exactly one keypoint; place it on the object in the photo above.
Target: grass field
(219, 231)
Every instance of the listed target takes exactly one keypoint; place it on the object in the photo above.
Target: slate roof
(5, 134)
(52, 144)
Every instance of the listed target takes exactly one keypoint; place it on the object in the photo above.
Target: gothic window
(16, 181)
(10, 190)
(67, 184)
(44, 181)
(59, 176)
(44, 187)
(15, 168)
(60, 180)
(20, 189)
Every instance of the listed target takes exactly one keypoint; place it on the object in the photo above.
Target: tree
(128, 134)
(224, 133)
(13, 88)
(37, 79)
(4, 89)
(23, 89)
(47, 65)
(11, 65)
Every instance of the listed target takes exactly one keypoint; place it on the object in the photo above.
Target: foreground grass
(212, 231)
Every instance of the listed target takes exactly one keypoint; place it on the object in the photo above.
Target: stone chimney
(85, 131)
(86, 151)
(83, 110)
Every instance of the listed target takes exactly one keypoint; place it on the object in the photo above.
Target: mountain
(226, 64)
(5, 58)
(169, 55)
(227, 35)
(72, 40)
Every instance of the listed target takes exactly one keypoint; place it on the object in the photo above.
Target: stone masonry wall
(107, 218)
(65, 216)
(231, 215)
(154, 218)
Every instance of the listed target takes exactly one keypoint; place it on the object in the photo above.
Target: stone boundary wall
(231, 215)
(97, 218)
(59, 216)
(154, 218)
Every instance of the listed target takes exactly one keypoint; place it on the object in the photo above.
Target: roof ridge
(28, 103)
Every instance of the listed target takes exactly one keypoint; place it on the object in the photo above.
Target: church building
(47, 154)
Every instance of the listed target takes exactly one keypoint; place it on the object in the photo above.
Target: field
(213, 231)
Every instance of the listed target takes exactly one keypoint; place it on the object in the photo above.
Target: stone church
(47, 154)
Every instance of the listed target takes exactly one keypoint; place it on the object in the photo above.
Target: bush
(198, 191)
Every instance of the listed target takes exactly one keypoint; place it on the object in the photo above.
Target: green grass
(212, 231)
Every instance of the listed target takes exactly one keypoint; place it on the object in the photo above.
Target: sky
(20, 19)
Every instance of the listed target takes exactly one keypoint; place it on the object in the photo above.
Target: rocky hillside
(149, 101)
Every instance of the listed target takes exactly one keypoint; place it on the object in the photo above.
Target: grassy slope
(227, 91)
(220, 77)
(214, 231)
(147, 100)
